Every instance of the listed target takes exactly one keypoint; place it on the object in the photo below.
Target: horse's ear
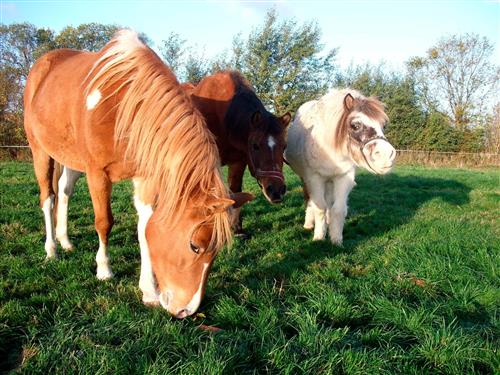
(285, 119)
(348, 102)
(256, 117)
(218, 205)
(241, 198)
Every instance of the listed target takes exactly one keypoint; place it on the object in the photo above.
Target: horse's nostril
(283, 190)
(270, 189)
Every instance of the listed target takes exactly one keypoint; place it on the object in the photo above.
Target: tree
(172, 50)
(457, 78)
(187, 62)
(87, 36)
(284, 62)
(492, 131)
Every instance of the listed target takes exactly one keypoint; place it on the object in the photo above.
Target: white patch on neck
(271, 142)
(93, 98)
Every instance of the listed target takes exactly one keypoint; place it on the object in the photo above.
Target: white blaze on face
(271, 142)
(167, 297)
(192, 306)
(93, 98)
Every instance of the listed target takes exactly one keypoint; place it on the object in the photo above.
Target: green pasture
(414, 290)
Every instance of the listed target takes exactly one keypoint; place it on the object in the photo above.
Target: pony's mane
(240, 82)
(164, 135)
(334, 113)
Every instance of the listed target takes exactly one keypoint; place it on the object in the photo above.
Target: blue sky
(365, 31)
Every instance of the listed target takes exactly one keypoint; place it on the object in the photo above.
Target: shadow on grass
(377, 205)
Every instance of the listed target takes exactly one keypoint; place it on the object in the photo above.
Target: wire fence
(404, 157)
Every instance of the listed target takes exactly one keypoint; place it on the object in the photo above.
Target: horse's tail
(58, 170)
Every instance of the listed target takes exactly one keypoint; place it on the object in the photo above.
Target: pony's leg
(309, 219)
(342, 186)
(147, 281)
(66, 186)
(316, 186)
(100, 192)
(235, 179)
(44, 170)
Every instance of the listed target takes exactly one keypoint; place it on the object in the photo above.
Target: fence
(411, 157)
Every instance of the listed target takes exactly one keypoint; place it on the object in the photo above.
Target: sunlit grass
(415, 289)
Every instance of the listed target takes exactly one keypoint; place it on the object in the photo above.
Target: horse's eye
(194, 248)
(355, 125)
(255, 146)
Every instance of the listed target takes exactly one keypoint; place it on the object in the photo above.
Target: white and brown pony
(328, 139)
(120, 114)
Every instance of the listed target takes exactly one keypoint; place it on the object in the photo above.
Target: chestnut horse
(245, 132)
(118, 114)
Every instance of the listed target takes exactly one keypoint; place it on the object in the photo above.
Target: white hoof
(150, 299)
(308, 226)
(104, 273)
(318, 237)
(50, 250)
(336, 240)
(65, 244)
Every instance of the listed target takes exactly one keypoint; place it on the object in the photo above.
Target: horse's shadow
(377, 205)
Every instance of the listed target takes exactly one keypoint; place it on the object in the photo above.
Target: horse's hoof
(308, 228)
(242, 235)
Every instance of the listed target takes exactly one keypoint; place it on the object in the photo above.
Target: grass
(414, 290)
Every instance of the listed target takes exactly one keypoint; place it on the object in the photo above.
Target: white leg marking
(316, 185)
(50, 243)
(66, 185)
(147, 281)
(309, 220)
(342, 186)
(102, 259)
(93, 98)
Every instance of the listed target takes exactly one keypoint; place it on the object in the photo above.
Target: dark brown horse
(246, 132)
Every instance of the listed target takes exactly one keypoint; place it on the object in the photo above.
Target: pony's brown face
(266, 145)
(182, 255)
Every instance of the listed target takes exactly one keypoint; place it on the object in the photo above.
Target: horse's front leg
(100, 192)
(66, 186)
(317, 204)
(342, 186)
(235, 180)
(147, 281)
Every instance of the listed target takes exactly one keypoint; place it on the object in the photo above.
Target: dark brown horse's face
(181, 255)
(266, 145)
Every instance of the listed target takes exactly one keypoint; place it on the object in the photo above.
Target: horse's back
(53, 102)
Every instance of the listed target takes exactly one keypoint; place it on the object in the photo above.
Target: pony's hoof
(66, 245)
(336, 241)
(104, 275)
(150, 299)
(318, 238)
(308, 227)
(152, 303)
(242, 235)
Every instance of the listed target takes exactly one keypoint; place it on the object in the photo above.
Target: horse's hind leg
(66, 186)
(100, 192)
(44, 170)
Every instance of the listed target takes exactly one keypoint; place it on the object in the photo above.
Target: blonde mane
(334, 114)
(165, 136)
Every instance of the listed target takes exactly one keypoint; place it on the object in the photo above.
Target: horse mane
(244, 104)
(164, 135)
(334, 112)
